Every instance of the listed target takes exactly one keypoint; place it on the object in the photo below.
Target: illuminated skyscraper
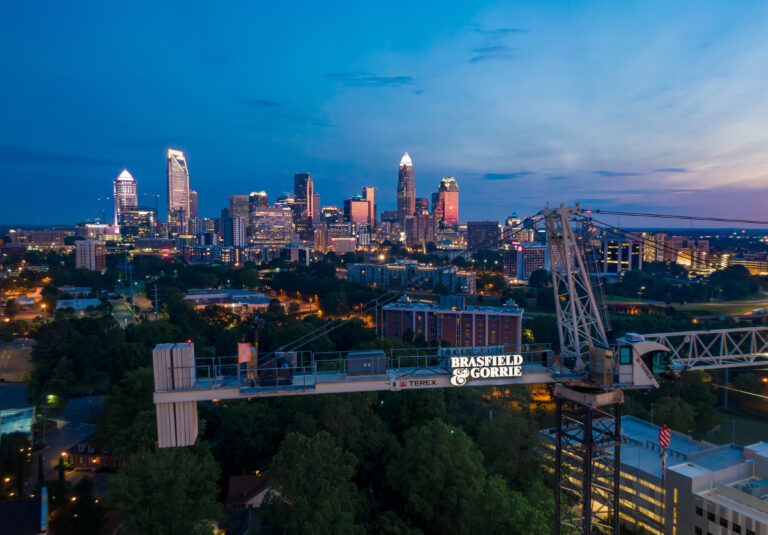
(257, 198)
(447, 208)
(124, 189)
(356, 210)
(315, 208)
(193, 210)
(303, 201)
(238, 206)
(369, 194)
(406, 189)
(303, 193)
(178, 188)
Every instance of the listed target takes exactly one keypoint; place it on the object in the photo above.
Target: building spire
(406, 160)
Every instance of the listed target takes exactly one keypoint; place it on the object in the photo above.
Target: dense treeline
(667, 283)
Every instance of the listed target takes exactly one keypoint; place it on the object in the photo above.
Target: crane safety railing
(301, 369)
(720, 348)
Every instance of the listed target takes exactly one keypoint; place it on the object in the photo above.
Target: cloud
(671, 170)
(497, 31)
(615, 173)
(370, 80)
(492, 52)
(491, 49)
(559, 177)
(259, 103)
(13, 155)
(506, 176)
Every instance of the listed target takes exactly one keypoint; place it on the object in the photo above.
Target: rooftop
(406, 304)
(406, 160)
(77, 304)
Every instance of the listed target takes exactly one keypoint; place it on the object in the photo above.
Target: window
(724, 522)
(699, 511)
(625, 355)
(697, 530)
(750, 532)
(736, 528)
(711, 517)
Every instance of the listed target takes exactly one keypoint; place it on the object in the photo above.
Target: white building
(89, 254)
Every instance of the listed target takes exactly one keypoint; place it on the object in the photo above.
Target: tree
(172, 491)
(674, 412)
(84, 515)
(127, 423)
(747, 381)
(540, 278)
(508, 444)
(313, 489)
(13, 459)
(439, 478)
(12, 308)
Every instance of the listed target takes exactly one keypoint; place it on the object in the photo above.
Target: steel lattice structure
(587, 461)
(578, 316)
(722, 348)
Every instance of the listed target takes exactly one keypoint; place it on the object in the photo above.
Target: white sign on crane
(485, 367)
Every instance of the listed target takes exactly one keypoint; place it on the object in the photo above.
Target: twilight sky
(643, 106)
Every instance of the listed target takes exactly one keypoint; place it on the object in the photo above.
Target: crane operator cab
(633, 363)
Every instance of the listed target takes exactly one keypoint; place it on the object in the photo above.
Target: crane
(589, 374)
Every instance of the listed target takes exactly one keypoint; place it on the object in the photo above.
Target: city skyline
(613, 106)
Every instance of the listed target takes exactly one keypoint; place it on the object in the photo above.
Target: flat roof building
(458, 325)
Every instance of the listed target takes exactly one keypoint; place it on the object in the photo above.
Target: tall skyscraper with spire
(303, 192)
(124, 189)
(406, 190)
(178, 188)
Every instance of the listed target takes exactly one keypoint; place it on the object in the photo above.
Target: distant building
(303, 193)
(193, 207)
(522, 259)
(316, 217)
(420, 229)
(755, 267)
(459, 326)
(94, 231)
(258, 198)
(233, 231)
(357, 210)
(389, 216)
(238, 301)
(238, 206)
(138, 223)
(343, 245)
(271, 226)
(369, 194)
(618, 255)
(124, 192)
(90, 254)
(178, 190)
(411, 274)
(447, 206)
(482, 235)
(406, 189)
(77, 305)
(422, 206)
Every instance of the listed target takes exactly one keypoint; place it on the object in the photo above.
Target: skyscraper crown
(406, 161)
(125, 175)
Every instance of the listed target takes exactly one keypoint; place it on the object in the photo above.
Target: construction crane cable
(327, 328)
(663, 247)
(685, 217)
